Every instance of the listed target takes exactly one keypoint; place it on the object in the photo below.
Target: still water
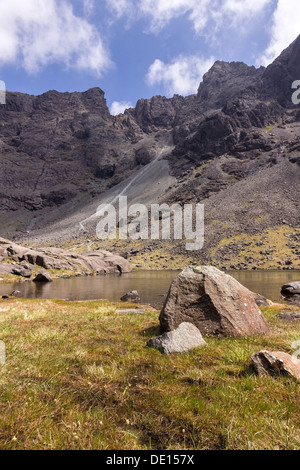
(151, 285)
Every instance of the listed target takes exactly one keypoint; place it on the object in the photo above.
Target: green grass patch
(78, 376)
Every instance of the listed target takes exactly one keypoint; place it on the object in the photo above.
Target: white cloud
(285, 28)
(123, 8)
(161, 12)
(36, 33)
(199, 12)
(88, 7)
(182, 76)
(118, 107)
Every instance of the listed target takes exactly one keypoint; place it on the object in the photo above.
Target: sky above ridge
(135, 49)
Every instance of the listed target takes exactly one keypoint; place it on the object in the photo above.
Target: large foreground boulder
(181, 340)
(214, 302)
(276, 363)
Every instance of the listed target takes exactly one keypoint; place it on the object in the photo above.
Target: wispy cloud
(118, 107)
(200, 12)
(120, 7)
(36, 33)
(181, 76)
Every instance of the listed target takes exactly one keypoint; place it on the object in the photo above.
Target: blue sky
(135, 48)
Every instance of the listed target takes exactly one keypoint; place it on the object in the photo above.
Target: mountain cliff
(234, 146)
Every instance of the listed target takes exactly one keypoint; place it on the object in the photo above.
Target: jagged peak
(225, 80)
(279, 76)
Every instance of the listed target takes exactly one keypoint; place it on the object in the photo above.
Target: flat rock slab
(181, 340)
(214, 302)
(99, 262)
(6, 268)
(289, 316)
(275, 364)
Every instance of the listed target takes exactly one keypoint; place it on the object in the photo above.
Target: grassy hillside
(78, 376)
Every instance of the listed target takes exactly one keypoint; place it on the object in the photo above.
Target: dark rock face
(278, 78)
(144, 156)
(64, 151)
(293, 288)
(58, 144)
(224, 81)
(43, 276)
(214, 302)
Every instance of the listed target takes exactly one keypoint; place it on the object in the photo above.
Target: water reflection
(151, 285)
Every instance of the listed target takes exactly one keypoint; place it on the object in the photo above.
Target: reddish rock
(214, 302)
(276, 363)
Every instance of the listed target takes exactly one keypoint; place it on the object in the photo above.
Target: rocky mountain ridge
(233, 146)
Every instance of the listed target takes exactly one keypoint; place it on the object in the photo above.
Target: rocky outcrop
(278, 77)
(22, 271)
(63, 152)
(181, 340)
(224, 81)
(293, 288)
(276, 363)
(98, 262)
(214, 302)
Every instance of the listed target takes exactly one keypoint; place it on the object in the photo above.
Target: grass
(277, 239)
(78, 376)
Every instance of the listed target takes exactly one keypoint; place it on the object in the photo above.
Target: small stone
(132, 296)
(289, 316)
(183, 339)
(275, 364)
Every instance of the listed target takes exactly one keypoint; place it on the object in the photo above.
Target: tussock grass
(78, 376)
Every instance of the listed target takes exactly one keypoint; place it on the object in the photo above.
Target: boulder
(293, 288)
(22, 271)
(132, 296)
(276, 363)
(43, 276)
(181, 340)
(214, 302)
